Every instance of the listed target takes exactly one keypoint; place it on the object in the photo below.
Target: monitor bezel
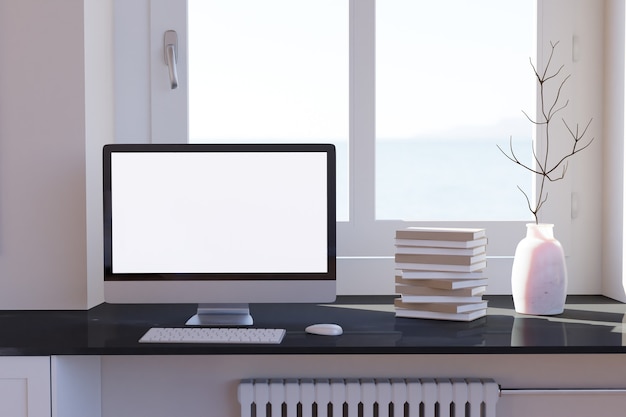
(168, 281)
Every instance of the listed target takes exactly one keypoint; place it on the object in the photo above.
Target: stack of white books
(440, 273)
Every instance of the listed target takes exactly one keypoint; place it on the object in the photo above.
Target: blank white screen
(219, 212)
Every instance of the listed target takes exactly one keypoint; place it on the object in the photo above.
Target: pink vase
(539, 275)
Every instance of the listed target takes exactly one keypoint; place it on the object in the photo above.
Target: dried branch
(514, 158)
(575, 149)
(542, 168)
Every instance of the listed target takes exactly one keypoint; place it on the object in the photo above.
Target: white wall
(132, 48)
(578, 26)
(613, 224)
(100, 129)
(54, 114)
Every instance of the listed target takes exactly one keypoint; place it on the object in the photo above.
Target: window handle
(170, 48)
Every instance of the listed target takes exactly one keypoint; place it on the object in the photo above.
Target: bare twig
(548, 110)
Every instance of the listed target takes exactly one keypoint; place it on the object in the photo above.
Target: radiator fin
(380, 397)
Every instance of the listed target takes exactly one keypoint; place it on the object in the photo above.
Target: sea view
(444, 180)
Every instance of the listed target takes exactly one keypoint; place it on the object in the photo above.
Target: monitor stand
(221, 315)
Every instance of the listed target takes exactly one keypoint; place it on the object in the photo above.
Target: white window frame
(149, 111)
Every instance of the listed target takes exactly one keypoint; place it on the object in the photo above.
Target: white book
(419, 290)
(454, 308)
(469, 316)
(457, 234)
(411, 274)
(436, 267)
(429, 250)
(442, 243)
(440, 259)
(440, 299)
(444, 284)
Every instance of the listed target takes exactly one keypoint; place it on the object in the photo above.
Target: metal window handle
(170, 48)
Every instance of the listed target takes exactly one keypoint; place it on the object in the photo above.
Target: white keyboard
(213, 335)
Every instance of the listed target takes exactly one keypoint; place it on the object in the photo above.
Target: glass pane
(453, 77)
(271, 71)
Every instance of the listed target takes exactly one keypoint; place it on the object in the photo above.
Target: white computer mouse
(324, 329)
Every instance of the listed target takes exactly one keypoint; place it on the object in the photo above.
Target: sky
(278, 69)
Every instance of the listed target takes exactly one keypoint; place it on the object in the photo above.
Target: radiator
(407, 397)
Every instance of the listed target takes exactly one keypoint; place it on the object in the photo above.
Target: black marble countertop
(589, 324)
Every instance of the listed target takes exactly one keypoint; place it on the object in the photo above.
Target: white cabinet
(25, 386)
(574, 403)
(544, 385)
(76, 387)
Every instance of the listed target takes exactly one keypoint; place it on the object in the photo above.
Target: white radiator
(368, 397)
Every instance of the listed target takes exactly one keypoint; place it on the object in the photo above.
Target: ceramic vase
(539, 275)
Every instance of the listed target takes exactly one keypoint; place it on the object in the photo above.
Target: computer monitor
(220, 225)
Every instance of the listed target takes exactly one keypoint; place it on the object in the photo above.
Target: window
(278, 78)
(447, 92)
(365, 234)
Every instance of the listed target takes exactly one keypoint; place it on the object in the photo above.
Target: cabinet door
(565, 403)
(25, 386)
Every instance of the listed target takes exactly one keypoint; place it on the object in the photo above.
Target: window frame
(365, 245)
